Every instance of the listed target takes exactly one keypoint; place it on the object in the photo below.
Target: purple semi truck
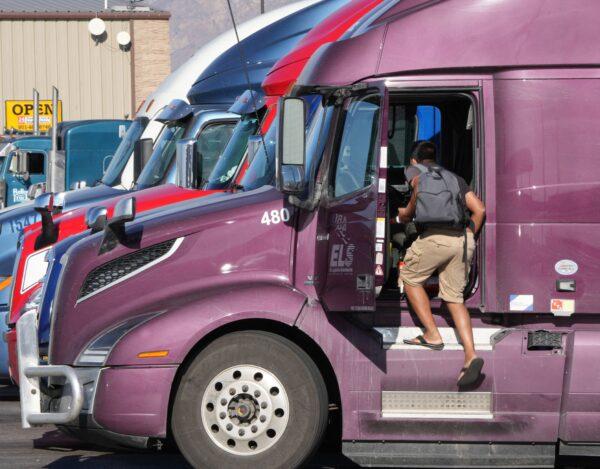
(248, 325)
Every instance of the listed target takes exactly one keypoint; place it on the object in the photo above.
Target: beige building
(45, 43)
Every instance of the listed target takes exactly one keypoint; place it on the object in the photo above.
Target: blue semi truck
(85, 146)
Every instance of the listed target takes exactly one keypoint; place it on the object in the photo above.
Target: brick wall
(151, 56)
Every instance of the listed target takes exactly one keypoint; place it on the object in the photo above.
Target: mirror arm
(311, 202)
(114, 234)
(49, 234)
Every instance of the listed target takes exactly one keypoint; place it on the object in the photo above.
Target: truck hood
(214, 244)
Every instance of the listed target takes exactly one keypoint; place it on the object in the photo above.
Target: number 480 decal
(275, 216)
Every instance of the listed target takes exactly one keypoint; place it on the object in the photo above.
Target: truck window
(36, 163)
(115, 169)
(261, 171)
(227, 165)
(164, 151)
(356, 150)
(211, 143)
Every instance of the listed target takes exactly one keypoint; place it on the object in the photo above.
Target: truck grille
(117, 269)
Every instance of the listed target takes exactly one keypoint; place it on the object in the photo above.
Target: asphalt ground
(47, 447)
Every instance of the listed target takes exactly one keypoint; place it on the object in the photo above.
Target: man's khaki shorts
(442, 252)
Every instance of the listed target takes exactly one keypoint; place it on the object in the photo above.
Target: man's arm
(407, 213)
(477, 209)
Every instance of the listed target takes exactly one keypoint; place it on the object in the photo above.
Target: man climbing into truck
(448, 215)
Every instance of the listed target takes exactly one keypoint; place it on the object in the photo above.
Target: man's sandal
(471, 373)
(421, 342)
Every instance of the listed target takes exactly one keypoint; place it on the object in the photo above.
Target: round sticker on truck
(566, 267)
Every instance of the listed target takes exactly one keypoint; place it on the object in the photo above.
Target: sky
(195, 22)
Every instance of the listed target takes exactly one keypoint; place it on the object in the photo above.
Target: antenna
(243, 60)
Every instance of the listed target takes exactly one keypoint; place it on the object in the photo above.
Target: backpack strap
(421, 167)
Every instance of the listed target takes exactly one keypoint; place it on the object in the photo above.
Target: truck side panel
(581, 402)
(547, 187)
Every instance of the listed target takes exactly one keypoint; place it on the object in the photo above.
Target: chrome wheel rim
(245, 410)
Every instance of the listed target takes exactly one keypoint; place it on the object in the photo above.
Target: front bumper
(30, 372)
(123, 405)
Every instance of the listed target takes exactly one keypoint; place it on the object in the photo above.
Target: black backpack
(439, 200)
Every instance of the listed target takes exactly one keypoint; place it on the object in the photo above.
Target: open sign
(19, 114)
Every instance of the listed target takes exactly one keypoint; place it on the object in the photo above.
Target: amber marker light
(153, 354)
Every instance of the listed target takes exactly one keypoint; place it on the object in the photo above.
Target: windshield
(228, 163)
(112, 176)
(163, 153)
(262, 169)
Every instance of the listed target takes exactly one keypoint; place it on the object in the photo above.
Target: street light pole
(262, 6)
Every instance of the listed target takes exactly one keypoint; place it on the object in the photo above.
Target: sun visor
(248, 102)
(176, 110)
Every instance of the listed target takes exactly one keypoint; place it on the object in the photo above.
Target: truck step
(393, 337)
(449, 454)
(436, 405)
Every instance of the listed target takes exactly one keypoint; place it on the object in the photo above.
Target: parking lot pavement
(49, 448)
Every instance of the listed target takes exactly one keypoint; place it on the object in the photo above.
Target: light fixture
(97, 27)
(123, 38)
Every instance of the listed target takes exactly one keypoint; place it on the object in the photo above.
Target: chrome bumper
(30, 372)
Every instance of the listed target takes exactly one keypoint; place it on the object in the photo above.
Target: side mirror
(189, 164)
(47, 205)
(291, 146)
(254, 144)
(142, 151)
(78, 185)
(95, 218)
(49, 202)
(23, 164)
(114, 228)
(124, 212)
(106, 163)
(35, 190)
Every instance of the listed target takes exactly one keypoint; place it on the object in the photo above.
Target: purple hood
(221, 244)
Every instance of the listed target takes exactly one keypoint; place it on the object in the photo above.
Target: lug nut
(222, 415)
(223, 401)
(241, 432)
(256, 393)
(245, 388)
(263, 418)
(263, 405)
(254, 428)
(229, 427)
(232, 391)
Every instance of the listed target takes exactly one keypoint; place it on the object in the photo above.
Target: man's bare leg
(462, 322)
(417, 296)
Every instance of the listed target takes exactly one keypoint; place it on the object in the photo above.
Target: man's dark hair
(423, 150)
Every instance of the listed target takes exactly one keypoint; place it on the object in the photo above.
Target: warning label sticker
(560, 307)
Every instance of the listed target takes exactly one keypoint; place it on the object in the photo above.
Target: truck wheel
(250, 399)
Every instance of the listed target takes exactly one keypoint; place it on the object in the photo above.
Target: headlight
(36, 266)
(96, 353)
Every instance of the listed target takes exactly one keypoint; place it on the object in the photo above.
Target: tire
(216, 404)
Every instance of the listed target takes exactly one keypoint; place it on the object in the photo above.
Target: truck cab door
(353, 229)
